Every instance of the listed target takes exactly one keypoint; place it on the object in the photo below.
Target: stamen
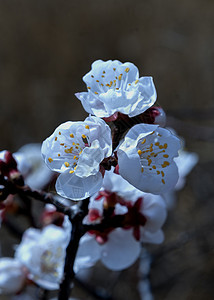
(86, 126)
(71, 135)
(50, 159)
(126, 70)
(66, 164)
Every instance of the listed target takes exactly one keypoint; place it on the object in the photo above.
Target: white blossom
(116, 87)
(109, 252)
(145, 158)
(118, 253)
(42, 252)
(75, 150)
(12, 275)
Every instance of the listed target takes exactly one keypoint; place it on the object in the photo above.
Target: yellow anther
(71, 135)
(157, 144)
(73, 144)
(62, 144)
(74, 157)
(111, 82)
(75, 167)
(139, 152)
(149, 162)
(142, 169)
(136, 81)
(55, 138)
(88, 87)
(104, 72)
(165, 164)
(71, 172)
(66, 164)
(69, 150)
(114, 69)
(117, 88)
(92, 76)
(166, 155)
(162, 173)
(165, 146)
(126, 70)
(96, 93)
(97, 80)
(50, 159)
(59, 133)
(143, 141)
(163, 181)
(77, 147)
(103, 76)
(120, 77)
(158, 172)
(153, 167)
(58, 154)
(161, 147)
(83, 136)
(86, 127)
(102, 84)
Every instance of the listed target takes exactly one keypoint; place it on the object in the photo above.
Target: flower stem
(71, 251)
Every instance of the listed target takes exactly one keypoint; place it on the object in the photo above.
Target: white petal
(120, 251)
(12, 275)
(154, 209)
(152, 237)
(88, 252)
(77, 188)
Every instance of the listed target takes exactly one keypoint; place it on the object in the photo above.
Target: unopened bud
(160, 116)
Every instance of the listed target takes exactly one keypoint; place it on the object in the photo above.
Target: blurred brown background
(46, 46)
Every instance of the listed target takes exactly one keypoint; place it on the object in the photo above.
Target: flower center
(153, 157)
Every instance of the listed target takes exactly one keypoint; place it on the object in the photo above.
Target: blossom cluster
(121, 158)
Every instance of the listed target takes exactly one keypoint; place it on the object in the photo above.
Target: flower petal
(111, 255)
(77, 188)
